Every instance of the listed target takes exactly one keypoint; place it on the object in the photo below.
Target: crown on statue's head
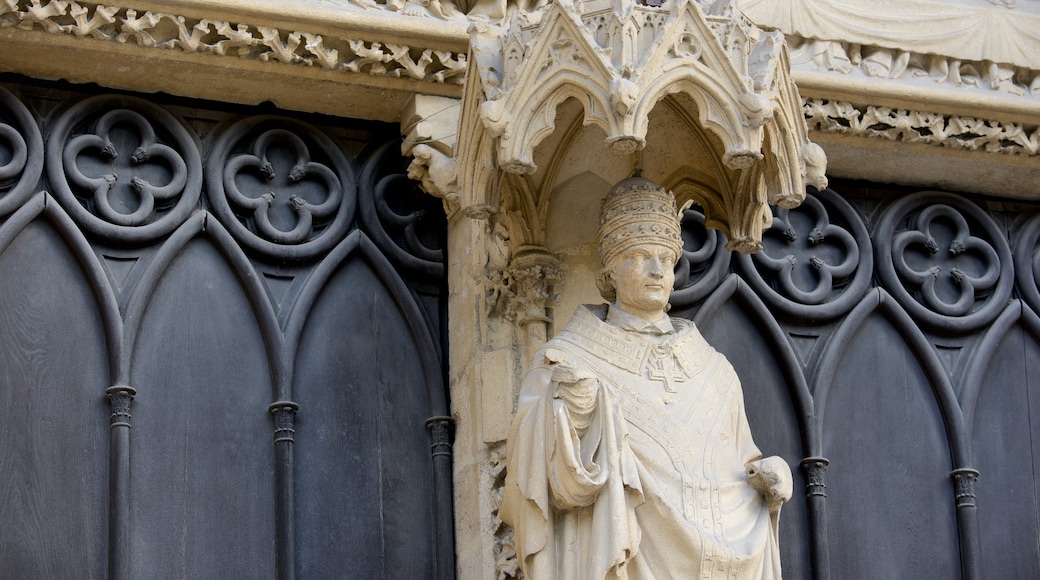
(638, 211)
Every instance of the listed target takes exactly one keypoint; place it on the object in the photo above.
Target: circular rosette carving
(407, 225)
(945, 261)
(816, 259)
(282, 187)
(21, 153)
(124, 168)
(704, 261)
(1027, 262)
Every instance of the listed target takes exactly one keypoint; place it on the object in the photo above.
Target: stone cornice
(332, 61)
(366, 60)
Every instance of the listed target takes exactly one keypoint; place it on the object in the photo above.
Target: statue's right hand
(577, 389)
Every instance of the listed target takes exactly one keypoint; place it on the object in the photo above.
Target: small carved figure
(630, 455)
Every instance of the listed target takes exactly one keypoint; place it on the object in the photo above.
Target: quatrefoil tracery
(945, 260)
(822, 255)
(279, 187)
(933, 260)
(125, 191)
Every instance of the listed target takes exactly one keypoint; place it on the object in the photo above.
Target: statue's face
(643, 276)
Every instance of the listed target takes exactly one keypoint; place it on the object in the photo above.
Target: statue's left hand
(771, 476)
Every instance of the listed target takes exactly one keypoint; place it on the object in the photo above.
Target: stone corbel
(430, 127)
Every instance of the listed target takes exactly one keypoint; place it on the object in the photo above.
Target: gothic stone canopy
(619, 60)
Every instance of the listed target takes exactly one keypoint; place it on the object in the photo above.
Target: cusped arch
(718, 109)
(518, 151)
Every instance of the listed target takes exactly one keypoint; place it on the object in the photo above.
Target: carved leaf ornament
(619, 59)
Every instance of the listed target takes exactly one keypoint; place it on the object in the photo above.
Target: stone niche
(559, 104)
(578, 172)
(562, 102)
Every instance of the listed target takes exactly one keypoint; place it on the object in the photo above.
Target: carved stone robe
(655, 487)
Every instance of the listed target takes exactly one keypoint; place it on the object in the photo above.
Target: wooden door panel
(364, 493)
(53, 374)
(888, 485)
(201, 438)
(1007, 496)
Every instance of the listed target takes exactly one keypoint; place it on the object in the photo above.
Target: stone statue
(630, 455)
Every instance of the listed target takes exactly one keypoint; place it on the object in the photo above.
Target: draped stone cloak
(655, 487)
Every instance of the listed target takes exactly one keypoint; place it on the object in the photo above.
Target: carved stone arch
(620, 60)
(715, 112)
(549, 98)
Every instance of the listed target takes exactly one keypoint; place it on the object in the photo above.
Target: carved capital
(533, 271)
(815, 471)
(441, 429)
(964, 485)
(284, 421)
(119, 399)
(522, 290)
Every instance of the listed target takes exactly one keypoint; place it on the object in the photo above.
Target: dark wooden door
(221, 346)
(888, 344)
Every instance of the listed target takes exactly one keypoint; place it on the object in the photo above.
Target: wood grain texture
(202, 492)
(53, 373)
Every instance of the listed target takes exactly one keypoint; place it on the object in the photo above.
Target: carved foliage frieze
(171, 31)
(958, 132)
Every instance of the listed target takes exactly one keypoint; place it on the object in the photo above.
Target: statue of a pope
(630, 455)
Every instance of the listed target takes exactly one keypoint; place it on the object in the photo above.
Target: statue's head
(639, 238)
